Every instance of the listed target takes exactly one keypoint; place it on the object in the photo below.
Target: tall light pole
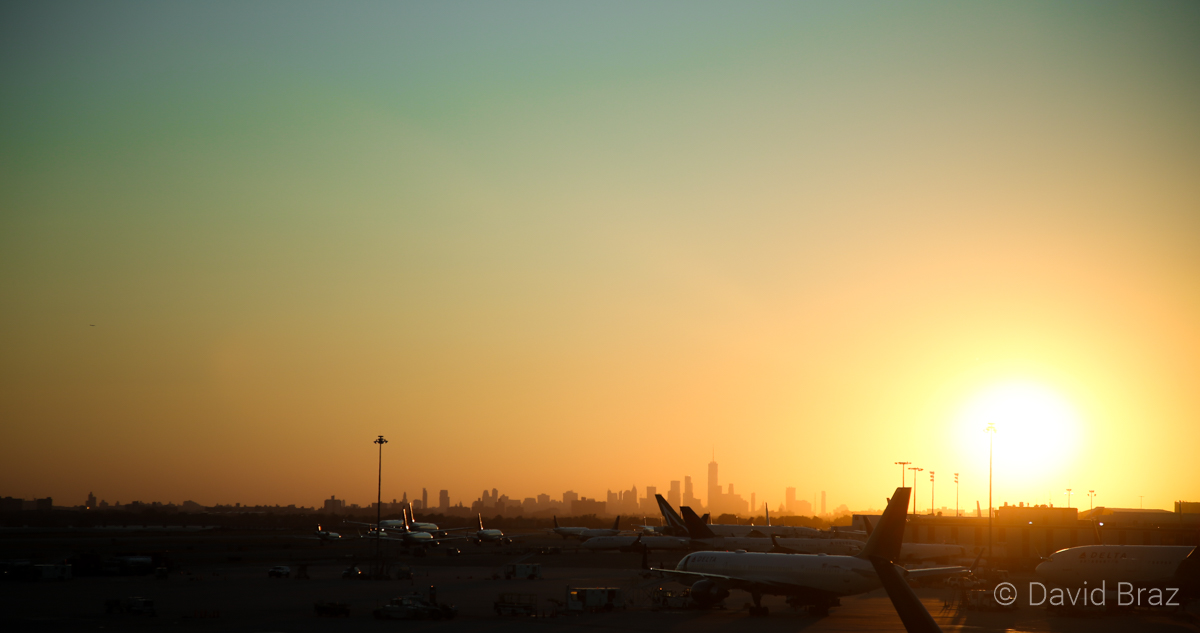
(902, 465)
(932, 505)
(379, 499)
(955, 494)
(1068, 493)
(991, 431)
(914, 495)
(1091, 499)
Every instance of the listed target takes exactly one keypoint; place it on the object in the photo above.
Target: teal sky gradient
(297, 225)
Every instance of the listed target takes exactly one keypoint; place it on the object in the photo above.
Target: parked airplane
(703, 533)
(490, 536)
(410, 537)
(583, 533)
(409, 519)
(325, 536)
(676, 526)
(820, 580)
(638, 543)
(921, 552)
(1140, 565)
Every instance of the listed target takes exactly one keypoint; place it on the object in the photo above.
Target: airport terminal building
(1022, 534)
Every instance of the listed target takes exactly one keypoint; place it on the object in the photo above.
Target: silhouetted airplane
(1140, 565)
(676, 526)
(491, 536)
(325, 536)
(921, 552)
(583, 533)
(702, 533)
(818, 581)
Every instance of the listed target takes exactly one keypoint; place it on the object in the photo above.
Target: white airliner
(583, 533)
(922, 552)
(1112, 564)
(491, 536)
(703, 535)
(323, 535)
(675, 525)
(818, 580)
(410, 521)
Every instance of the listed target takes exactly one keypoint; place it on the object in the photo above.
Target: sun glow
(1037, 431)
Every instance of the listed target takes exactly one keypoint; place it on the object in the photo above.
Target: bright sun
(1036, 434)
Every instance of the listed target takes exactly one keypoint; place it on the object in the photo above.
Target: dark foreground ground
(219, 582)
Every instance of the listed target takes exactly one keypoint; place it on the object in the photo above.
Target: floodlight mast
(379, 499)
(915, 471)
(991, 431)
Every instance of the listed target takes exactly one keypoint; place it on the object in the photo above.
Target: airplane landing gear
(758, 611)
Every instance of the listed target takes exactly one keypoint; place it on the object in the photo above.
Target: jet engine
(707, 593)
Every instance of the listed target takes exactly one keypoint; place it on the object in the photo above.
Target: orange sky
(548, 248)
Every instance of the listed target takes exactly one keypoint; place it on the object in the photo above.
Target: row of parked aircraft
(1173, 572)
(412, 533)
(820, 580)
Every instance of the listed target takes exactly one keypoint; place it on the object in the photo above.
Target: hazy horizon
(547, 246)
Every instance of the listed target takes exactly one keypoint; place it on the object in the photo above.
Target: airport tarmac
(219, 582)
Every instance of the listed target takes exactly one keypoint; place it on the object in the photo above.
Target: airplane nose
(1043, 568)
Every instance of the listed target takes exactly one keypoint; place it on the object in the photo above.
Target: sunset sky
(551, 246)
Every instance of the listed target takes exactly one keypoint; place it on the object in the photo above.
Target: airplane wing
(936, 572)
(745, 584)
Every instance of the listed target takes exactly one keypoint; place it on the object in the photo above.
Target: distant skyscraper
(673, 495)
(789, 500)
(822, 502)
(569, 497)
(649, 505)
(753, 503)
(689, 495)
(714, 489)
(91, 501)
(444, 500)
(424, 498)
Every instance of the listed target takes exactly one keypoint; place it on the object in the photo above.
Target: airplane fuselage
(791, 573)
(626, 542)
(1138, 564)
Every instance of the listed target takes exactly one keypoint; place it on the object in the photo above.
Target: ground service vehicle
(516, 604)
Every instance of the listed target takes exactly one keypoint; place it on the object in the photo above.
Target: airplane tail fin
(707, 519)
(883, 546)
(1189, 568)
(480, 517)
(867, 524)
(696, 527)
(675, 524)
(556, 521)
(767, 509)
(617, 523)
(884, 541)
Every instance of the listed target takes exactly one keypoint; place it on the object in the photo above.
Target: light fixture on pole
(379, 498)
(955, 494)
(914, 495)
(902, 465)
(932, 505)
(1091, 499)
(1068, 493)
(991, 431)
